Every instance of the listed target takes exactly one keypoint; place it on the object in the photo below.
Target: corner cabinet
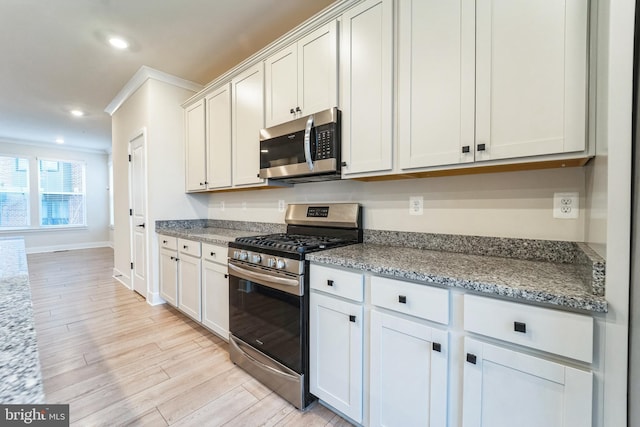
(301, 79)
(366, 76)
(247, 118)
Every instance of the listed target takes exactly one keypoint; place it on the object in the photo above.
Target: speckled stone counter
(216, 232)
(559, 284)
(20, 376)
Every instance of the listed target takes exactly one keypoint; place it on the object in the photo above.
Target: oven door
(266, 317)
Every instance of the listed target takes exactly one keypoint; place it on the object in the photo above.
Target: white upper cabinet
(302, 78)
(196, 173)
(531, 81)
(247, 119)
(219, 137)
(435, 81)
(366, 76)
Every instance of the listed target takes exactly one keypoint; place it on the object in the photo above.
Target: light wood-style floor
(119, 361)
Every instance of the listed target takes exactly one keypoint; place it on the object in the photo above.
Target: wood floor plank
(120, 361)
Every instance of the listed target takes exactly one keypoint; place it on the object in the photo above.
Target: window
(62, 193)
(14, 192)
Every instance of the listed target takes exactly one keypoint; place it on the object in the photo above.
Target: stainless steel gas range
(268, 294)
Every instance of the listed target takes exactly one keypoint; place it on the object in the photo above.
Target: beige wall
(96, 233)
(510, 204)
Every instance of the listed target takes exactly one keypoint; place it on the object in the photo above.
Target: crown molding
(53, 146)
(140, 77)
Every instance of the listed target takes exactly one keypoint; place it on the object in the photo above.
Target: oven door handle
(243, 273)
(307, 142)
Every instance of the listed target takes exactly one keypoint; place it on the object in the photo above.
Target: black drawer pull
(226, 276)
(213, 254)
(402, 299)
(172, 258)
(165, 242)
(352, 318)
(185, 247)
(466, 149)
(329, 282)
(481, 147)
(291, 111)
(520, 327)
(436, 346)
(471, 358)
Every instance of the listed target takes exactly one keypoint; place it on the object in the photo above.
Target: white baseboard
(69, 247)
(153, 298)
(122, 278)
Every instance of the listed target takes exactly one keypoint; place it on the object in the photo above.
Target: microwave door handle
(307, 142)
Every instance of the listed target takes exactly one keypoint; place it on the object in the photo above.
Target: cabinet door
(169, 276)
(189, 286)
(215, 298)
(247, 119)
(318, 70)
(436, 79)
(335, 353)
(531, 77)
(195, 147)
(281, 86)
(507, 388)
(219, 137)
(408, 373)
(366, 63)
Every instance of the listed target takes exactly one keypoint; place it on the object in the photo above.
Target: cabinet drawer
(410, 298)
(168, 242)
(346, 284)
(189, 247)
(215, 253)
(554, 331)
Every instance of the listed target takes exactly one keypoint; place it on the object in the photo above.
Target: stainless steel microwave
(303, 150)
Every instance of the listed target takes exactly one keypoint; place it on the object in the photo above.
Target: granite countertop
(217, 232)
(20, 376)
(562, 285)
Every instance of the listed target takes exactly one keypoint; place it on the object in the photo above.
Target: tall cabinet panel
(247, 120)
(195, 143)
(436, 81)
(366, 64)
(531, 77)
(219, 137)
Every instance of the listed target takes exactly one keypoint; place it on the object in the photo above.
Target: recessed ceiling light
(118, 43)
(77, 113)
(59, 141)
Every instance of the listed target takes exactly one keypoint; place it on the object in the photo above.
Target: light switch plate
(415, 205)
(566, 205)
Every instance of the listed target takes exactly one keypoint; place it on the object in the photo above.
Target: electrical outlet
(415, 205)
(280, 205)
(566, 205)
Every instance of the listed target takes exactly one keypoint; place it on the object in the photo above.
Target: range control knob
(243, 256)
(271, 262)
(280, 264)
(236, 254)
(256, 258)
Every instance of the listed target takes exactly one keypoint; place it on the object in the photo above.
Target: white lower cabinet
(169, 269)
(189, 286)
(215, 290)
(409, 368)
(335, 353)
(506, 388)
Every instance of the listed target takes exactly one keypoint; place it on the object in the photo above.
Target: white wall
(96, 233)
(509, 204)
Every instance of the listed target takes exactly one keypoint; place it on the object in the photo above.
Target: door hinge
(130, 212)
(132, 266)
(129, 157)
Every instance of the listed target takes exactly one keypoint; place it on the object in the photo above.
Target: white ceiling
(55, 58)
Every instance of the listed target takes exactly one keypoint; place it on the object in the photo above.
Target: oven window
(268, 319)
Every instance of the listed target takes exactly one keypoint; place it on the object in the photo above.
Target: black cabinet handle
(140, 225)
(172, 258)
(436, 347)
(481, 147)
(329, 282)
(164, 242)
(291, 111)
(298, 110)
(185, 247)
(520, 327)
(471, 358)
(343, 164)
(466, 149)
(226, 276)
(177, 259)
(352, 318)
(402, 299)
(213, 254)
(202, 183)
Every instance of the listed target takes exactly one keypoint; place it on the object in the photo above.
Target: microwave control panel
(326, 146)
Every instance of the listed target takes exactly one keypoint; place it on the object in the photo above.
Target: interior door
(139, 215)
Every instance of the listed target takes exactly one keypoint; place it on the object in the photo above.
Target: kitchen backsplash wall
(510, 204)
